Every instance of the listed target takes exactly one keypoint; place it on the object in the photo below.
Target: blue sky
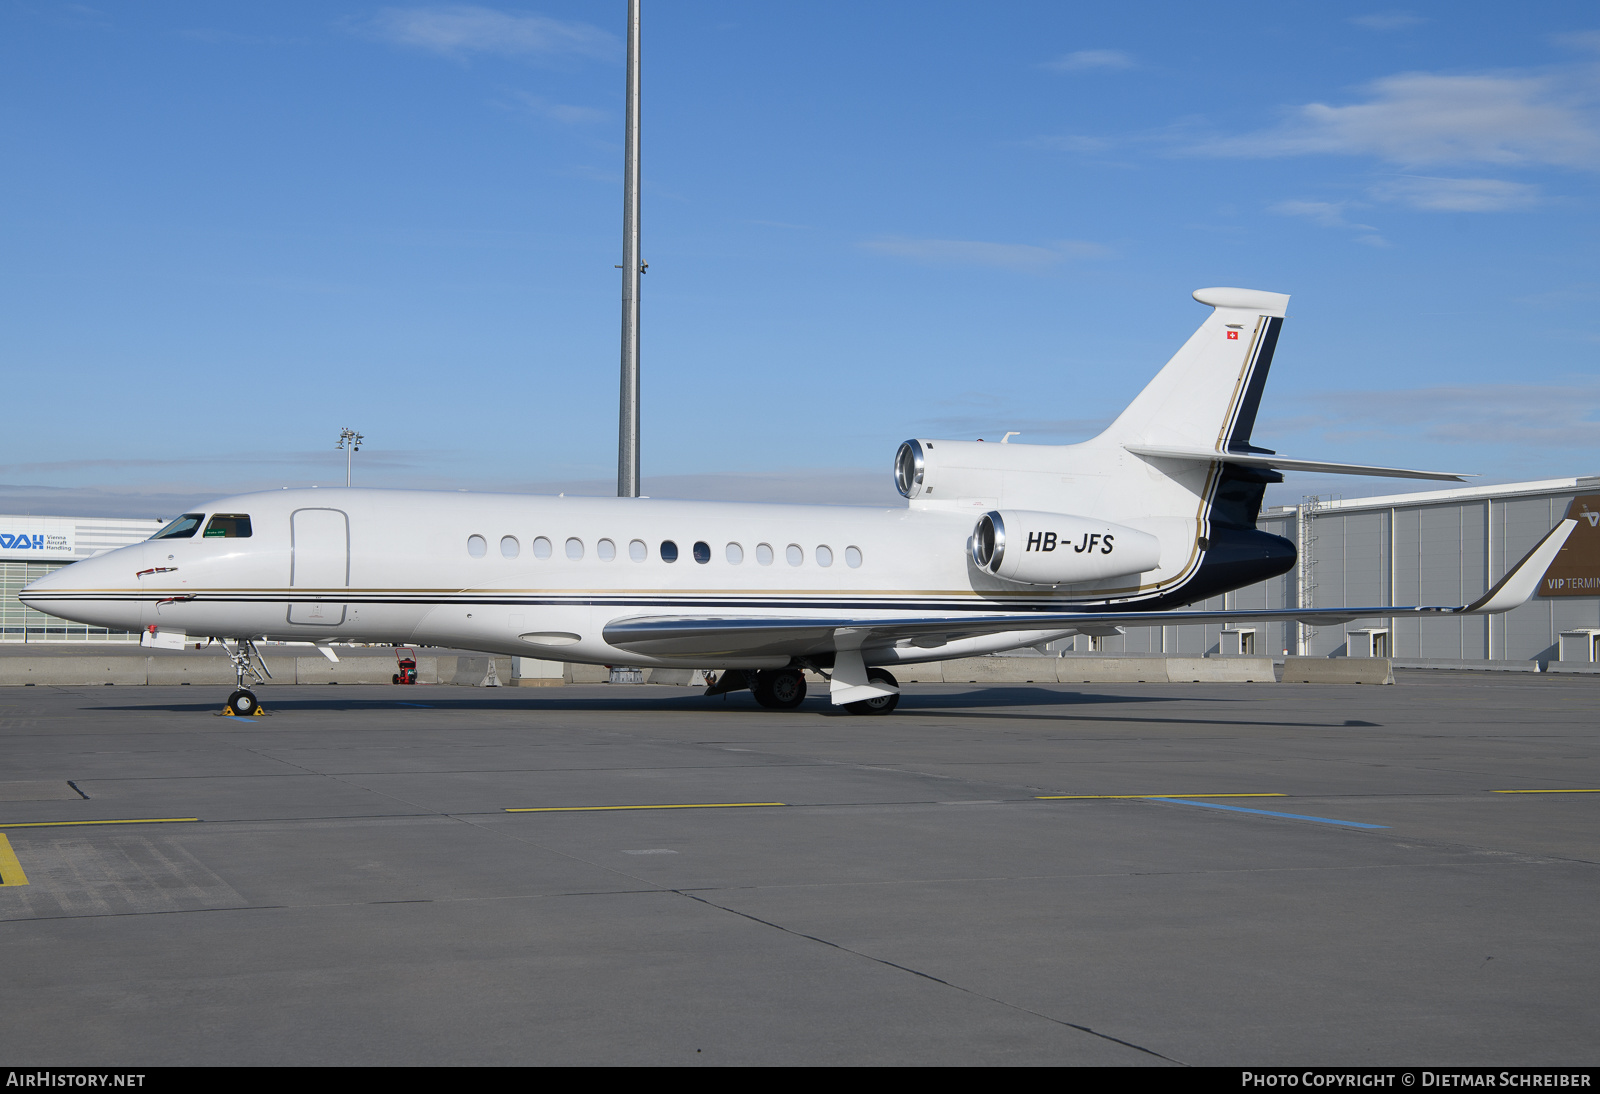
(227, 230)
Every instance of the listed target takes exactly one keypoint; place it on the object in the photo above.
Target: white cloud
(1330, 214)
(1085, 60)
(1588, 40)
(459, 29)
(967, 252)
(559, 112)
(1388, 20)
(1439, 195)
(1421, 118)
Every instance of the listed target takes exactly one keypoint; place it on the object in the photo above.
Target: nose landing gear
(247, 662)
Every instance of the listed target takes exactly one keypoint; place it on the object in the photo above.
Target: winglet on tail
(1522, 579)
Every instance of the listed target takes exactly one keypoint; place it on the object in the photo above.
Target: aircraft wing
(1283, 463)
(800, 636)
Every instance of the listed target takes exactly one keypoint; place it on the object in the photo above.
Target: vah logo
(22, 541)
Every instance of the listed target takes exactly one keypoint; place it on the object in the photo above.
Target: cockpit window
(229, 526)
(182, 528)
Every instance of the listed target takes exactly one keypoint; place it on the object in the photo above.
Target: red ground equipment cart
(407, 661)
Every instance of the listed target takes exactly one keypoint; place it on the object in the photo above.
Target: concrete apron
(77, 669)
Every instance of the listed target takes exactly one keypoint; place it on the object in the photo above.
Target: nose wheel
(244, 704)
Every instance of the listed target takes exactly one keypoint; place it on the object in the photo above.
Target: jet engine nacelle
(1060, 549)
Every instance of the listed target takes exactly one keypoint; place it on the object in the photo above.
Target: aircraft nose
(88, 590)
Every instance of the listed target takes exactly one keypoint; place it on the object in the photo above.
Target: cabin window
(477, 546)
(764, 554)
(795, 554)
(702, 552)
(638, 551)
(735, 554)
(606, 550)
(852, 557)
(228, 526)
(509, 547)
(182, 528)
(669, 551)
(541, 548)
(574, 548)
(824, 556)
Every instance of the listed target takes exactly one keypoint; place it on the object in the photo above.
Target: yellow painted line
(1544, 791)
(607, 808)
(70, 824)
(10, 869)
(1081, 797)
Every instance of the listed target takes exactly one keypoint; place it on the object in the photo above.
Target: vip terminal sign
(1576, 570)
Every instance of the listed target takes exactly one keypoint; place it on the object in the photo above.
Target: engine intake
(1059, 549)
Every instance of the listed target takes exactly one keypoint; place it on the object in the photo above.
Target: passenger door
(319, 562)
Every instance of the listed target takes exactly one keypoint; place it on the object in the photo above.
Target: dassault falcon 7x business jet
(1000, 546)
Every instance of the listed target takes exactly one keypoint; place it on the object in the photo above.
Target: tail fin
(1208, 394)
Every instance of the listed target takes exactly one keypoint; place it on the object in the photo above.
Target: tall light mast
(628, 423)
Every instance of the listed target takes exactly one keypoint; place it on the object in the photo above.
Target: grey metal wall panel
(1529, 632)
(1407, 581)
(1439, 576)
(1366, 558)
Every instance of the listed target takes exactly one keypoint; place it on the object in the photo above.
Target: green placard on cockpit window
(228, 526)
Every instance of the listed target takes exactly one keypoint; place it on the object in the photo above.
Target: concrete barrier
(1111, 670)
(1338, 670)
(475, 670)
(70, 670)
(587, 674)
(211, 668)
(535, 672)
(317, 669)
(1221, 670)
(1572, 666)
(1000, 670)
(693, 678)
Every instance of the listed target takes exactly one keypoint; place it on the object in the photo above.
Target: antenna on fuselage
(628, 419)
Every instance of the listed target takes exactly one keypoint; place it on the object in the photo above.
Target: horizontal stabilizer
(1282, 463)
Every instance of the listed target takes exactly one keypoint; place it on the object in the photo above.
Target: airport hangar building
(1431, 547)
(1439, 547)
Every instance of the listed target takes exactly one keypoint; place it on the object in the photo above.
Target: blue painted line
(425, 706)
(1270, 813)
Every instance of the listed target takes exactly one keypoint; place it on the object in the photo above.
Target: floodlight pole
(628, 423)
(350, 442)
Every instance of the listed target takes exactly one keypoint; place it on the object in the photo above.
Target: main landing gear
(779, 689)
(878, 704)
(785, 689)
(247, 662)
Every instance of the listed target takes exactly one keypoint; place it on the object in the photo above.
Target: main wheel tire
(779, 689)
(243, 703)
(879, 704)
(395, 679)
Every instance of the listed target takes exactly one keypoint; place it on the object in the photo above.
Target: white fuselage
(465, 570)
